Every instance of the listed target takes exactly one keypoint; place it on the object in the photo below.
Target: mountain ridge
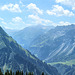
(49, 45)
(26, 36)
(13, 56)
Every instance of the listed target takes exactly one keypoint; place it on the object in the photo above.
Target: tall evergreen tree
(32, 73)
(10, 72)
(1, 72)
(26, 73)
(21, 72)
(42, 73)
(29, 73)
(13, 73)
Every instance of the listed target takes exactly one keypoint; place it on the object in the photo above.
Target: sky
(18, 14)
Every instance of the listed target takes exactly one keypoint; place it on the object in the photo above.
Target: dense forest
(17, 73)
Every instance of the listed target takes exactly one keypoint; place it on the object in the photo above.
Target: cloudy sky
(18, 14)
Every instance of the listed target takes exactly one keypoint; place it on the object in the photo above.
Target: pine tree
(1, 72)
(26, 73)
(32, 73)
(5, 73)
(29, 73)
(21, 72)
(42, 73)
(13, 73)
(10, 72)
(17, 72)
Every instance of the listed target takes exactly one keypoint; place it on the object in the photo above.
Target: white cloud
(59, 11)
(34, 8)
(37, 20)
(67, 2)
(50, 12)
(1, 19)
(62, 23)
(11, 7)
(73, 8)
(21, 3)
(4, 23)
(17, 19)
(16, 23)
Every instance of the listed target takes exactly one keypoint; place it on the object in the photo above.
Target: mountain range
(13, 56)
(48, 43)
(56, 45)
(25, 36)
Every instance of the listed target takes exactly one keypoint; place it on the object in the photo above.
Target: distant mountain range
(13, 56)
(25, 36)
(11, 32)
(48, 43)
(56, 45)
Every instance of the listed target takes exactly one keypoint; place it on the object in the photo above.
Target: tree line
(17, 73)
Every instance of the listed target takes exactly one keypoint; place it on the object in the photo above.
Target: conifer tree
(21, 72)
(29, 73)
(13, 73)
(10, 72)
(32, 73)
(26, 73)
(1, 72)
(42, 73)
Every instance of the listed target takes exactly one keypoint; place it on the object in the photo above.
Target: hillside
(56, 45)
(13, 56)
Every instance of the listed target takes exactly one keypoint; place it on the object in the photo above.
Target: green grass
(71, 62)
(28, 54)
(40, 44)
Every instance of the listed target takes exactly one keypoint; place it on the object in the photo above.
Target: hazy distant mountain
(13, 56)
(27, 35)
(11, 32)
(56, 45)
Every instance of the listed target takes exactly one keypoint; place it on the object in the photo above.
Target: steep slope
(13, 56)
(56, 45)
(27, 35)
